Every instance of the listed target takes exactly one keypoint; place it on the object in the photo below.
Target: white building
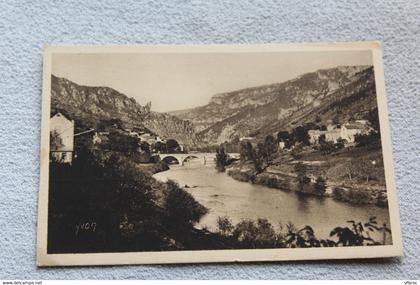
(149, 138)
(333, 135)
(347, 131)
(350, 130)
(62, 138)
(281, 145)
(314, 135)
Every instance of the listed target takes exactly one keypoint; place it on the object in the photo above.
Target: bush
(181, 206)
(224, 224)
(98, 194)
(339, 193)
(371, 140)
(327, 147)
(106, 202)
(320, 186)
(221, 159)
(355, 196)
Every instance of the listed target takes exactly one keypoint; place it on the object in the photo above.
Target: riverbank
(287, 180)
(244, 201)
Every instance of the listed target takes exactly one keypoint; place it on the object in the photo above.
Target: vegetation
(261, 234)
(371, 140)
(260, 155)
(221, 159)
(269, 149)
(103, 202)
(302, 178)
(351, 195)
(320, 186)
(181, 207)
(172, 146)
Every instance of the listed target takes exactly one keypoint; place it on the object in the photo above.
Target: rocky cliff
(88, 105)
(336, 93)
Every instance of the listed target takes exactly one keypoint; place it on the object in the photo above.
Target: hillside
(336, 93)
(88, 105)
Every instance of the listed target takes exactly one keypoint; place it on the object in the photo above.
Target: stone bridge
(183, 157)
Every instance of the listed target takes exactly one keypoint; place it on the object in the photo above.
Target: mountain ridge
(90, 104)
(267, 108)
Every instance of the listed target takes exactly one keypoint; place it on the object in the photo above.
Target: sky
(175, 81)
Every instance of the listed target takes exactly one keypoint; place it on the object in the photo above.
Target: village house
(314, 135)
(333, 133)
(281, 145)
(62, 138)
(252, 140)
(149, 138)
(347, 132)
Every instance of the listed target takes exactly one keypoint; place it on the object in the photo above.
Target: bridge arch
(169, 158)
(188, 157)
(183, 157)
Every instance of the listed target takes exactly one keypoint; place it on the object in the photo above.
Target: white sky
(179, 81)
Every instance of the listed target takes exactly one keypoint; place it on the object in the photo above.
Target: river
(224, 196)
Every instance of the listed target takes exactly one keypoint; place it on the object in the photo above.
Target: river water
(224, 196)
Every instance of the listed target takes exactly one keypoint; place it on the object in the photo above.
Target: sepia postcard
(215, 153)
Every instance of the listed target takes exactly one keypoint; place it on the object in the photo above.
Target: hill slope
(89, 105)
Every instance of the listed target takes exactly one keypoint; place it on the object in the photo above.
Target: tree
(221, 159)
(371, 140)
(300, 134)
(172, 146)
(327, 147)
(160, 147)
(181, 205)
(245, 151)
(270, 148)
(302, 178)
(365, 169)
(258, 156)
(117, 123)
(373, 118)
(351, 170)
(145, 147)
(246, 232)
(120, 142)
(283, 136)
(224, 224)
(357, 234)
(340, 143)
(320, 185)
(322, 139)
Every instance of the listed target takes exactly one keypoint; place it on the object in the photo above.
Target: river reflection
(224, 196)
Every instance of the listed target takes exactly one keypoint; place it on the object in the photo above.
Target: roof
(58, 114)
(316, 132)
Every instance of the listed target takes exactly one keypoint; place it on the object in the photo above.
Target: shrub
(181, 205)
(355, 196)
(339, 193)
(320, 186)
(224, 224)
(221, 159)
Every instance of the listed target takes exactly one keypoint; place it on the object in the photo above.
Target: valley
(249, 160)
